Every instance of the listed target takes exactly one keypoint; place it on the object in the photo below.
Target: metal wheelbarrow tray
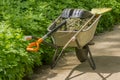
(60, 38)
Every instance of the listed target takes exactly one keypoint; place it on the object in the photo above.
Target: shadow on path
(105, 65)
(43, 73)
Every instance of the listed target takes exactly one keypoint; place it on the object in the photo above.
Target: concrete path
(106, 54)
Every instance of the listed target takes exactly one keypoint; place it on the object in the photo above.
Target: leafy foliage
(15, 61)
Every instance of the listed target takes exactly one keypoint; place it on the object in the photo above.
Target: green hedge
(15, 61)
(34, 16)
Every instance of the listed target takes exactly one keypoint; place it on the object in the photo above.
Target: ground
(106, 54)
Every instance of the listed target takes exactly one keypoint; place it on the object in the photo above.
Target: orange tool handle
(34, 46)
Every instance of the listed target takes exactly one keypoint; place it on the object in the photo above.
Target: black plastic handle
(56, 28)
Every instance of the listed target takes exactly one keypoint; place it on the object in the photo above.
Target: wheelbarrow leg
(90, 59)
(54, 58)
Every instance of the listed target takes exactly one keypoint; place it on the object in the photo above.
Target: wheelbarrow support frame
(57, 56)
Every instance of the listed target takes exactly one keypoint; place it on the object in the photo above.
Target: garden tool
(100, 10)
(34, 46)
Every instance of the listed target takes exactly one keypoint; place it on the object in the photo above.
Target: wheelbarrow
(79, 38)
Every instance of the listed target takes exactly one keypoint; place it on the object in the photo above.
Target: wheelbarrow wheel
(81, 53)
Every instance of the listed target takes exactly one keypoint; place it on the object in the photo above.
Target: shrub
(15, 61)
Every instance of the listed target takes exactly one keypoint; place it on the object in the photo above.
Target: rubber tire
(81, 54)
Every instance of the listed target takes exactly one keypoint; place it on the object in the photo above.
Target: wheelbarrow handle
(30, 38)
(56, 28)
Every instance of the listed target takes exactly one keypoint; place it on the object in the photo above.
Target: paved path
(106, 53)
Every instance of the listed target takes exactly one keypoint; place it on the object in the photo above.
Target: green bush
(34, 16)
(15, 61)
